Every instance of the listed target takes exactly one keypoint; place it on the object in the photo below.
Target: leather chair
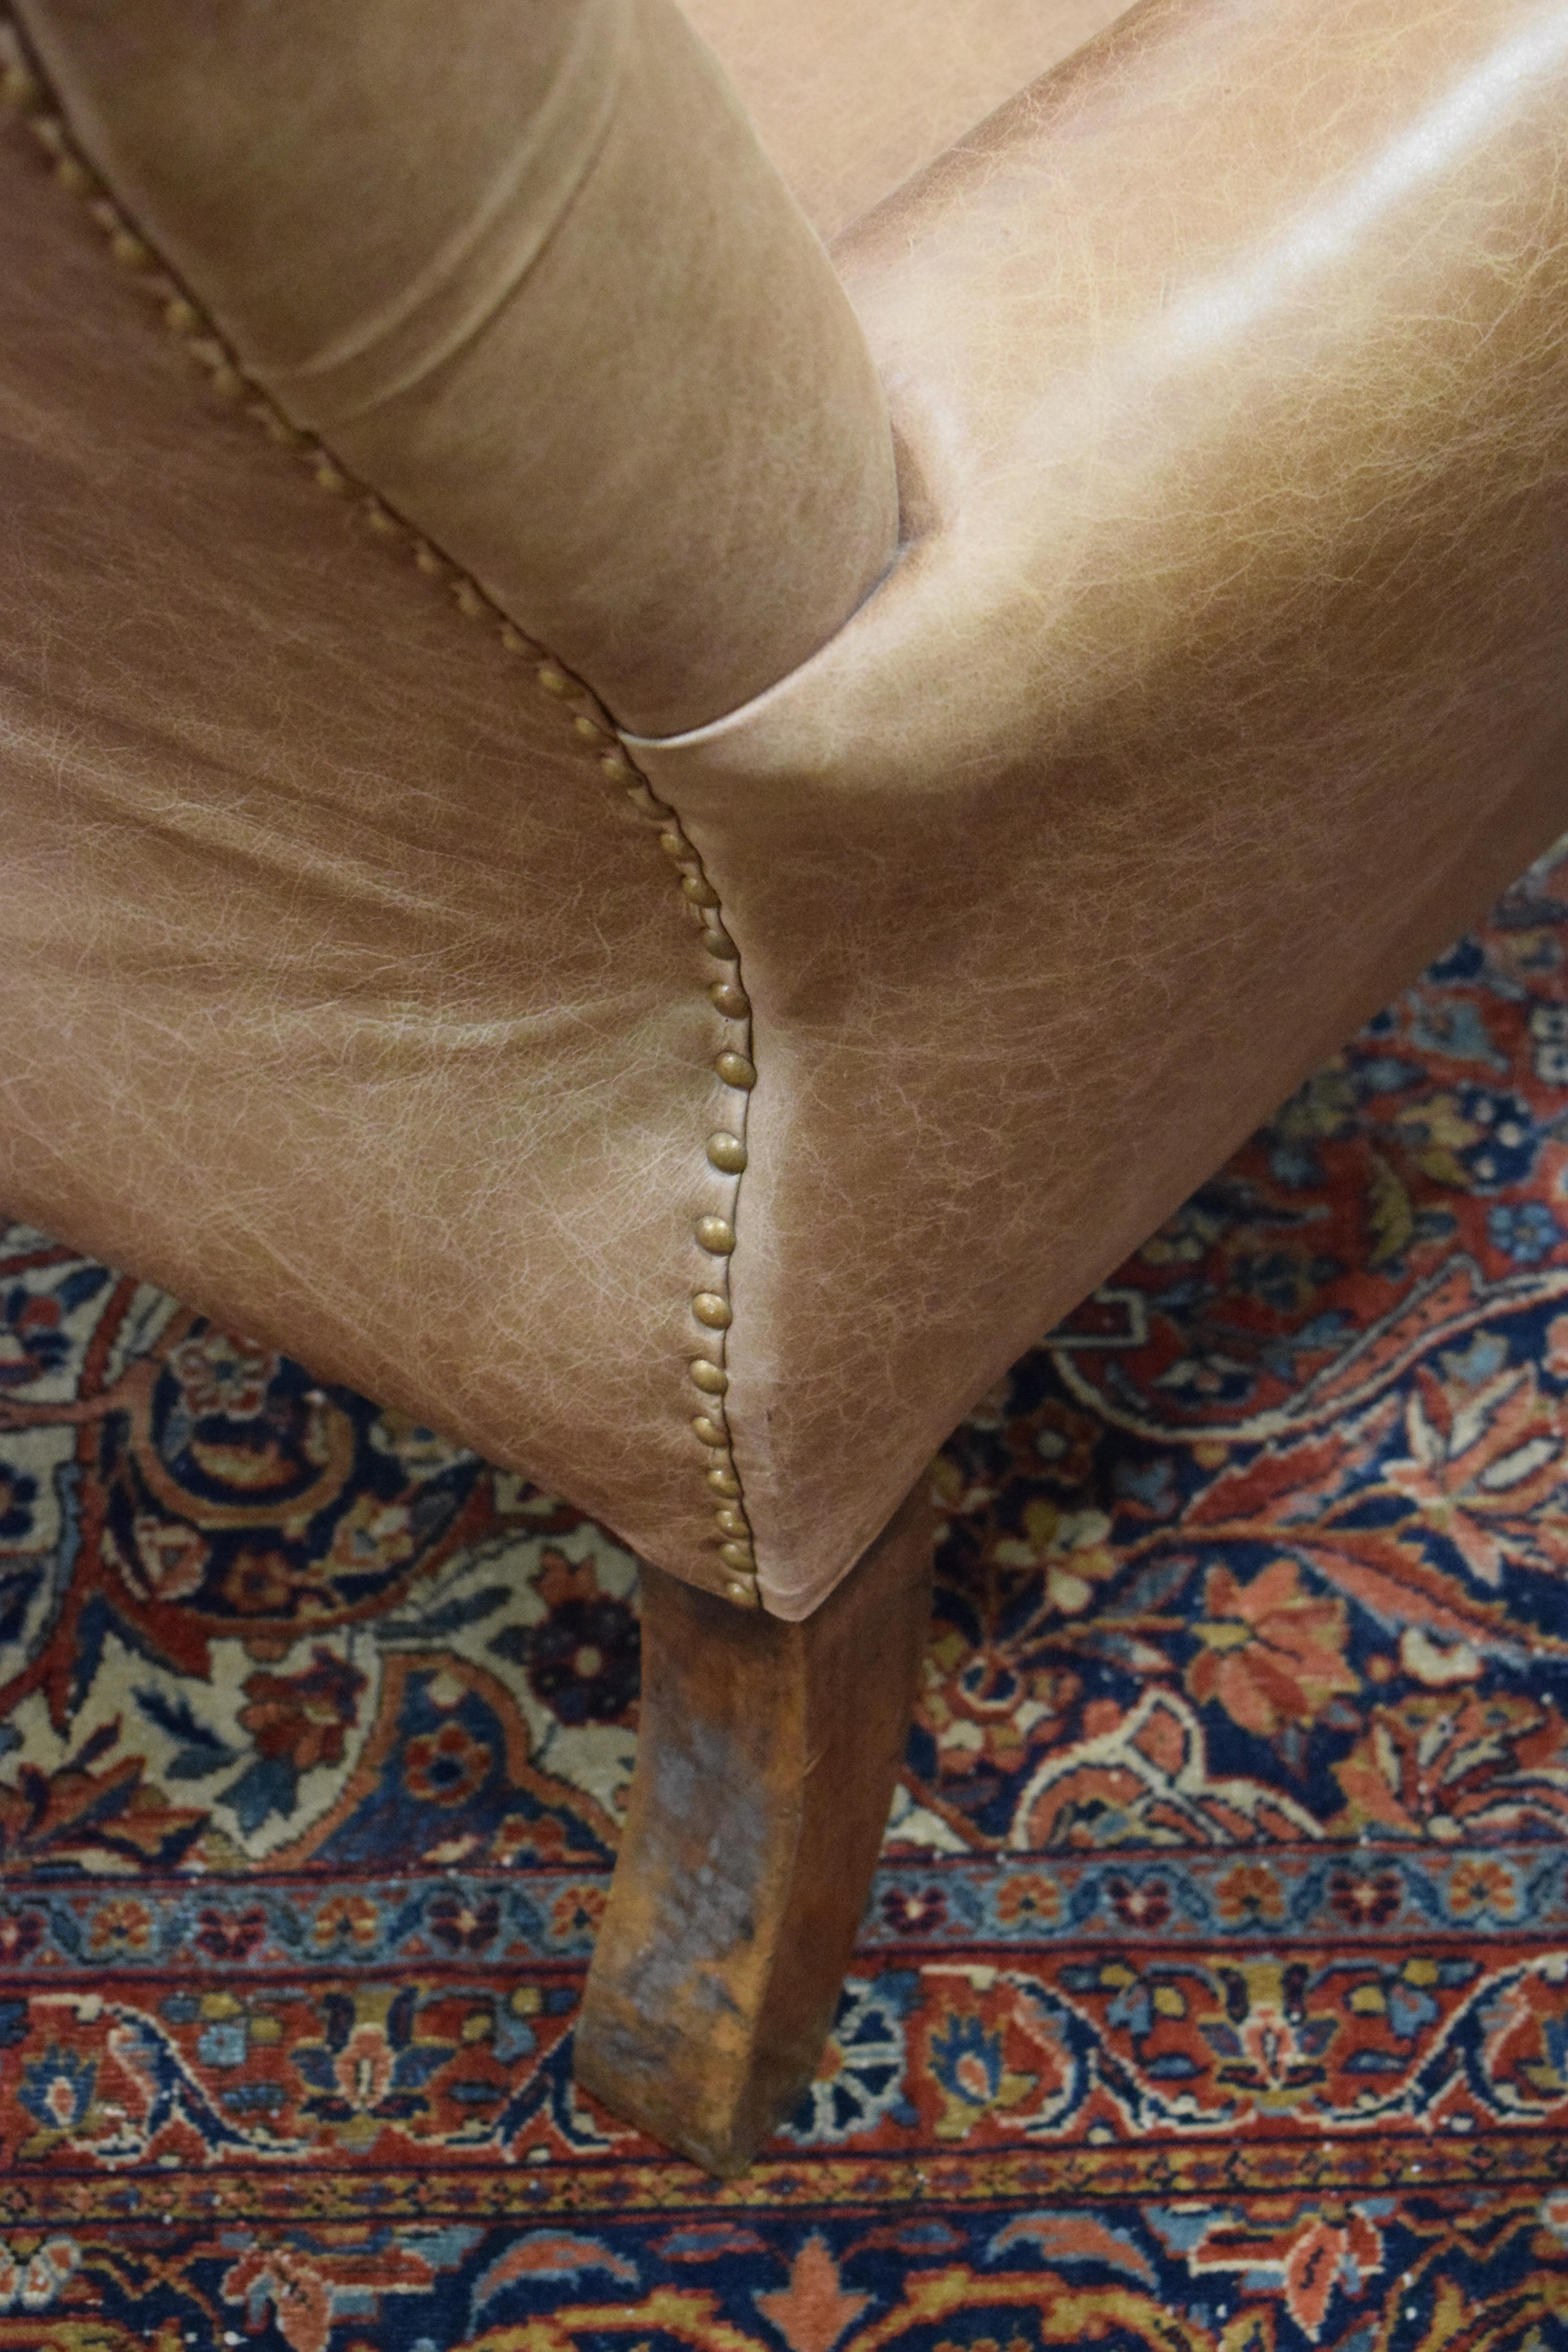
(658, 847)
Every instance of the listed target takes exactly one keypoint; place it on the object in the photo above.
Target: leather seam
(25, 94)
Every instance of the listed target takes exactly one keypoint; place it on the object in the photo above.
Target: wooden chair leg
(766, 1762)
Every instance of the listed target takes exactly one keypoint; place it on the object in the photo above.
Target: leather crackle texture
(1225, 674)
(1220, 678)
(339, 993)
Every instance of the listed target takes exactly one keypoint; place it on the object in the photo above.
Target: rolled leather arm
(526, 272)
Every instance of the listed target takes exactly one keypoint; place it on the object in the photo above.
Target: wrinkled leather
(1220, 679)
(1225, 677)
(524, 267)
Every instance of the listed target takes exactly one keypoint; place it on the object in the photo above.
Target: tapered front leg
(766, 1762)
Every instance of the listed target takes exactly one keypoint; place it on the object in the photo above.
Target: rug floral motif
(1214, 1992)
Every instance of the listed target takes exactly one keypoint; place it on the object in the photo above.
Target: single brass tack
(676, 846)
(723, 1482)
(74, 177)
(129, 250)
(709, 1431)
(736, 1070)
(329, 478)
(618, 771)
(387, 526)
(513, 639)
(588, 730)
(711, 1378)
(277, 426)
(643, 801)
(746, 1593)
(737, 1555)
(17, 86)
(727, 1153)
(553, 682)
(181, 317)
(718, 1234)
(468, 601)
(699, 889)
(731, 1522)
(720, 945)
(428, 562)
(712, 1308)
(730, 997)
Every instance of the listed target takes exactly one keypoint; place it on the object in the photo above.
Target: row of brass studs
(21, 93)
(716, 1234)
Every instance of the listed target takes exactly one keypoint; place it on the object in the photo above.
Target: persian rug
(1214, 1994)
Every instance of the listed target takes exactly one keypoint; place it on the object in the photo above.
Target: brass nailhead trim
(22, 93)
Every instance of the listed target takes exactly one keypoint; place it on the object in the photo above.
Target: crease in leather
(453, 298)
(667, 453)
(919, 542)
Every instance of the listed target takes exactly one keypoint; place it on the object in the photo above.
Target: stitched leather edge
(24, 95)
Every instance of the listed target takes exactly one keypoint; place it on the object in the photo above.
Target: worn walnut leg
(766, 1762)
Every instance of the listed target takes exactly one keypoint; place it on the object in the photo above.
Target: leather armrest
(527, 272)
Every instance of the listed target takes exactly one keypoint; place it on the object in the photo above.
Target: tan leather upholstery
(852, 97)
(341, 995)
(1224, 680)
(526, 271)
(1220, 678)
